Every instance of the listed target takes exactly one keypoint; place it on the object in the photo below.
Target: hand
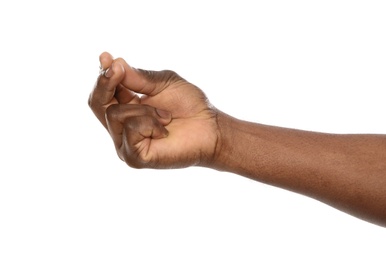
(171, 125)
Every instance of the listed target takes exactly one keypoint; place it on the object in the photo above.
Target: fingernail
(163, 113)
(109, 72)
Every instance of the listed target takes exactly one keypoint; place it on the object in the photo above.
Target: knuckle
(149, 75)
(92, 102)
(92, 99)
(170, 76)
(169, 73)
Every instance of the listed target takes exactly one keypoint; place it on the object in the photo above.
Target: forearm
(345, 171)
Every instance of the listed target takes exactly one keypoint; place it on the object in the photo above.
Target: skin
(172, 125)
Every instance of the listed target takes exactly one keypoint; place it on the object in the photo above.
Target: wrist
(225, 147)
(240, 148)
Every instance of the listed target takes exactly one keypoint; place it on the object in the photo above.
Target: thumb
(146, 82)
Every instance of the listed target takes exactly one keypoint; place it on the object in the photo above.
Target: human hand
(171, 125)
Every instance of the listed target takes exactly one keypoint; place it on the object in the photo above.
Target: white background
(64, 194)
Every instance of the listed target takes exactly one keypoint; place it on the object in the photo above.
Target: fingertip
(105, 55)
(116, 69)
(122, 63)
(133, 79)
(105, 59)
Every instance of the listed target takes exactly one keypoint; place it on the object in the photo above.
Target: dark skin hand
(170, 125)
(173, 125)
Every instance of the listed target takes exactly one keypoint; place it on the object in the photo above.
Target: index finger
(103, 93)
